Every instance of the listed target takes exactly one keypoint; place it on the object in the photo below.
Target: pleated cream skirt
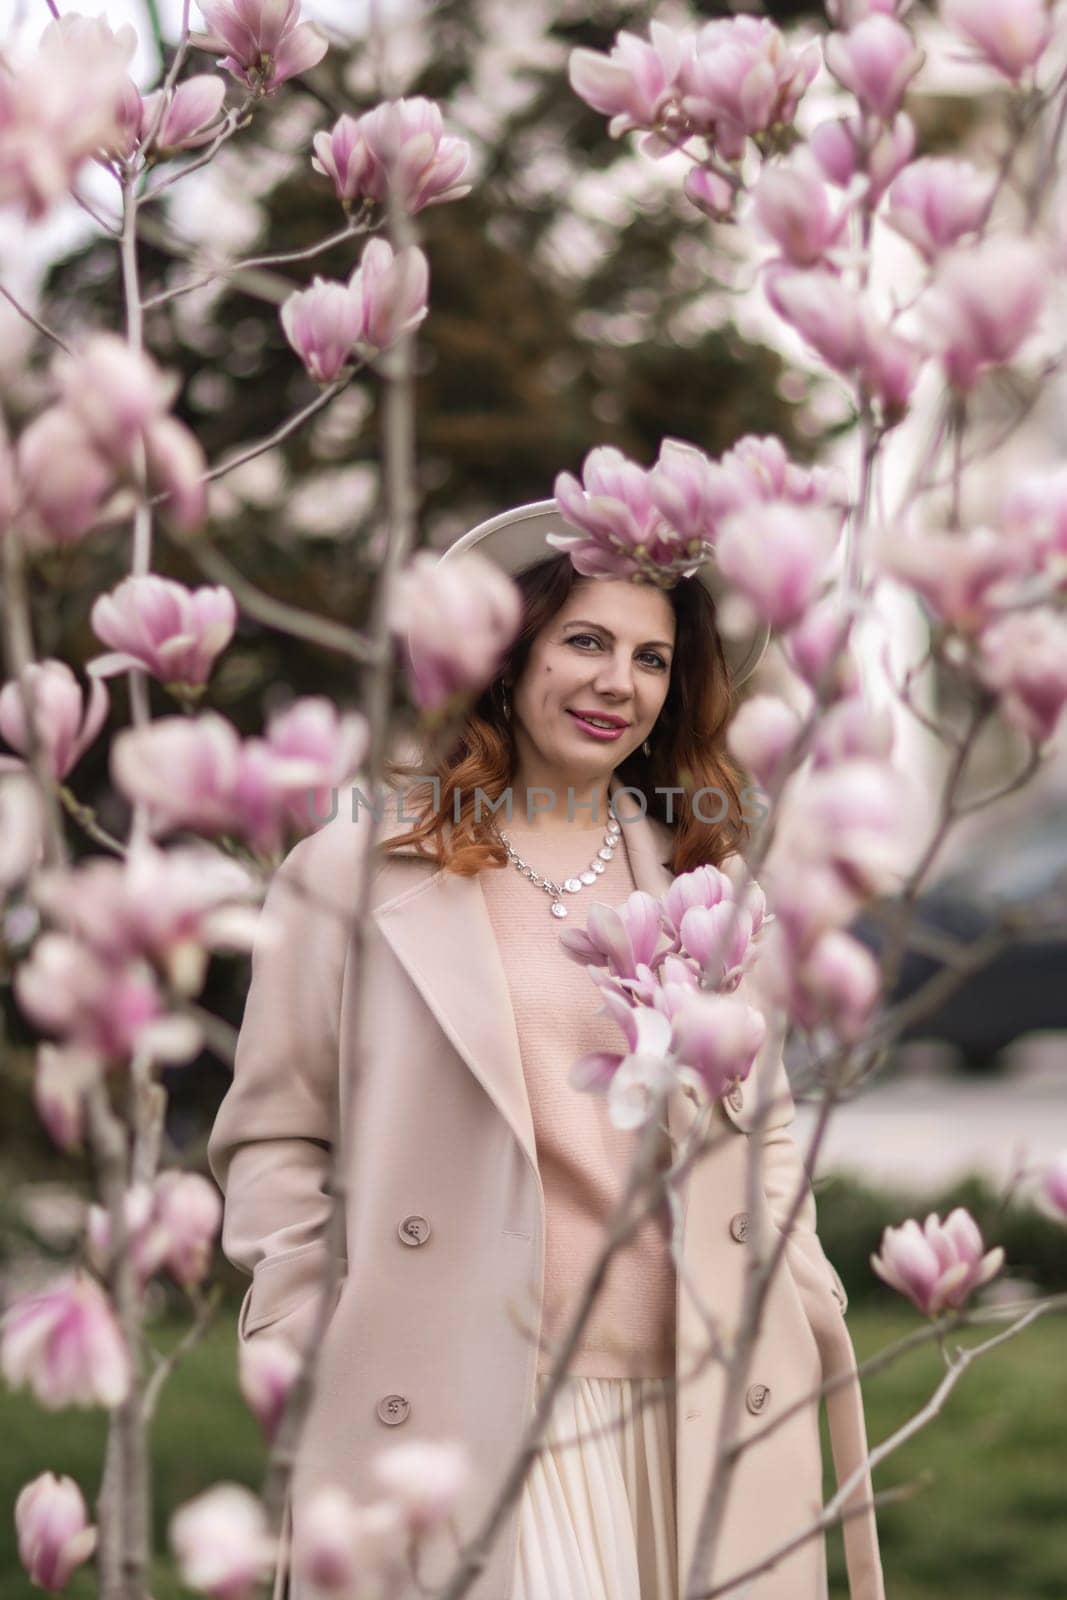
(597, 1514)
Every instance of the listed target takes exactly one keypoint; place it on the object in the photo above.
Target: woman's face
(606, 652)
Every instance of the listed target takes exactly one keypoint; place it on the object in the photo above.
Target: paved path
(927, 1128)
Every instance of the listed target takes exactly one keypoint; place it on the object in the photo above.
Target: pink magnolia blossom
(169, 907)
(117, 399)
(392, 291)
(64, 480)
(22, 830)
(65, 1343)
(322, 324)
(1011, 35)
(61, 107)
(53, 1530)
(710, 193)
(792, 209)
(936, 201)
(1023, 659)
(844, 147)
(740, 78)
(853, 729)
(842, 837)
(173, 632)
(719, 1037)
(62, 1078)
(188, 1211)
(761, 733)
(624, 939)
(265, 40)
(621, 533)
(425, 1479)
(114, 390)
(402, 145)
(703, 886)
(222, 1542)
(637, 1077)
(692, 492)
(267, 1370)
(836, 985)
(145, 1240)
(1055, 1186)
(339, 1545)
(342, 156)
(64, 723)
(778, 557)
(647, 1032)
(413, 155)
(719, 940)
(171, 1226)
(876, 60)
(939, 1265)
(842, 327)
(196, 773)
(817, 649)
(1033, 512)
(984, 302)
(457, 619)
(190, 117)
(65, 988)
(314, 748)
(635, 83)
(963, 578)
(185, 769)
(662, 522)
(176, 471)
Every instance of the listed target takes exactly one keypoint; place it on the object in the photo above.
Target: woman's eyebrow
(586, 623)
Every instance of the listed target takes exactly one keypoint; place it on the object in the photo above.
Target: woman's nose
(615, 675)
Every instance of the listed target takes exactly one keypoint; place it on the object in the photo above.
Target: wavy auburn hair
(688, 740)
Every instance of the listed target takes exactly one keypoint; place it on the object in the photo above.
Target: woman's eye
(576, 638)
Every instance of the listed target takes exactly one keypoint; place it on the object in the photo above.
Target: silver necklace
(569, 885)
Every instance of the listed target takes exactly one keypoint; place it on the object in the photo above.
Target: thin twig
(267, 609)
(35, 322)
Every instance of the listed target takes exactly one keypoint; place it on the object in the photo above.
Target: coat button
(736, 1098)
(414, 1230)
(739, 1227)
(756, 1397)
(393, 1408)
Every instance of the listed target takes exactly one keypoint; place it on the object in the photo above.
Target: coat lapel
(441, 933)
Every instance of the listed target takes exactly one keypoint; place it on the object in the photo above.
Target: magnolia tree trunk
(801, 554)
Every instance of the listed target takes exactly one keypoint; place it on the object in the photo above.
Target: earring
(506, 702)
(647, 748)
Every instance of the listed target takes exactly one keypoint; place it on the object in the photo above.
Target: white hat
(516, 539)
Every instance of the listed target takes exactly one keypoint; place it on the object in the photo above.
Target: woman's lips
(594, 732)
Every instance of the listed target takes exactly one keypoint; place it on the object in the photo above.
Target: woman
(478, 1179)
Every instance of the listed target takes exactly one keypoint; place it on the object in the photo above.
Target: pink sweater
(583, 1158)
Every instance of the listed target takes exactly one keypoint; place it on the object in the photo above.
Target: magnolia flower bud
(53, 1530)
(268, 1368)
(939, 1265)
(457, 619)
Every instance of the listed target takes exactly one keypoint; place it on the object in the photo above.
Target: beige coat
(431, 1336)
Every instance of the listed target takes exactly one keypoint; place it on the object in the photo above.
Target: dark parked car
(1021, 990)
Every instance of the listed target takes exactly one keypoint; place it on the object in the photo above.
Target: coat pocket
(284, 1292)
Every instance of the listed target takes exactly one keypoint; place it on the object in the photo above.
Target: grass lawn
(989, 1524)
